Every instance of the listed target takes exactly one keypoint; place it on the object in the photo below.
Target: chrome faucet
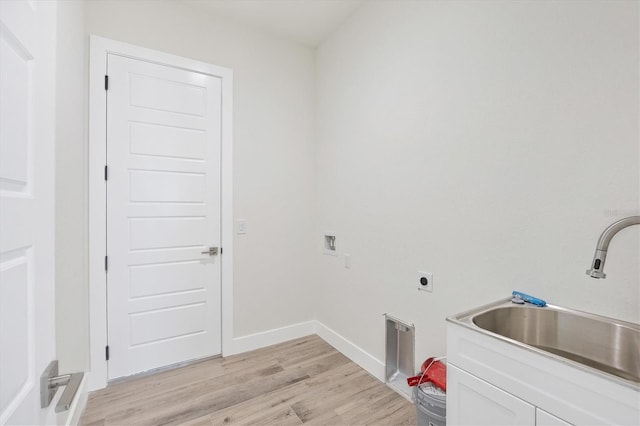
(603, 245)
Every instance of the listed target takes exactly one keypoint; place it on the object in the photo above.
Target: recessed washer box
(399, 354)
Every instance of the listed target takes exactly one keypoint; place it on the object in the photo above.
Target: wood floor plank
(189, 402)
(321, 364)
(331, 395)
(256, 407)
(279, 415)
(329, 418)
(303, 381)
(388, 405)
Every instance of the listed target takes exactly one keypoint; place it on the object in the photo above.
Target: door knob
(213, 251)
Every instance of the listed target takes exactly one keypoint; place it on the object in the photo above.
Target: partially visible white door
(163, 212)
(27, 128)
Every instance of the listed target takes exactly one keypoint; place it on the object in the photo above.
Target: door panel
(166, 278)
(165, 95)
(167, 141)
(178, 321)
(14, 133)
(15, 329)
(27, 334)
(159, 187)
(166, 233)
(473, 401)
(163, 211)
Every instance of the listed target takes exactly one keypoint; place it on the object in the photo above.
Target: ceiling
(306, 21)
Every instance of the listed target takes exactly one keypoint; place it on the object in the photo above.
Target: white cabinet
(472, 401)
(491, 382)
(476, 402)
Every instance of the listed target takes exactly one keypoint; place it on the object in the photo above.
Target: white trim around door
(100, 48)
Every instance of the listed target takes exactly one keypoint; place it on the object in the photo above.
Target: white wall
(273, 165)
(72, 317)
(487, 142)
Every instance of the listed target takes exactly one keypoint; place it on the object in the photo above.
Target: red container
(432, 371)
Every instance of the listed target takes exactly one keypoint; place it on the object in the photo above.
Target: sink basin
(607, 345)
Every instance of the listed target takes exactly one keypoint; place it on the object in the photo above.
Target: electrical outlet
(425, 281)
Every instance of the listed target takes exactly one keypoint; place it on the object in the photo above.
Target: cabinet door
(545, 419)
(472, 401)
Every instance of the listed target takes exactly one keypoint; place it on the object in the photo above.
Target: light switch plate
(241, 226)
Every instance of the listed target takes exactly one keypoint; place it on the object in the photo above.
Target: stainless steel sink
(607, 345)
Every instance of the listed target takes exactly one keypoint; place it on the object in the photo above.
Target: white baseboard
(374, 366)
(271, 337)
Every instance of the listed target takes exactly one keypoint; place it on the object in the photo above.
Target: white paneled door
(163, 215)
(27, 128)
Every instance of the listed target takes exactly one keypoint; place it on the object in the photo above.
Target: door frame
(99, 49)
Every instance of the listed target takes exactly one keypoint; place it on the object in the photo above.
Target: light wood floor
(304, 381)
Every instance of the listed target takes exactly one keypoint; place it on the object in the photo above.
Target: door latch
(213, 251)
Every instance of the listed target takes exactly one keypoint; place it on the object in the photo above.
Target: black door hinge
(106, 263)
(106, 352)
(106, 82)
(106, 172)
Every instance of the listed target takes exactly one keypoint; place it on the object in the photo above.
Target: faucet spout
(603, 245)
